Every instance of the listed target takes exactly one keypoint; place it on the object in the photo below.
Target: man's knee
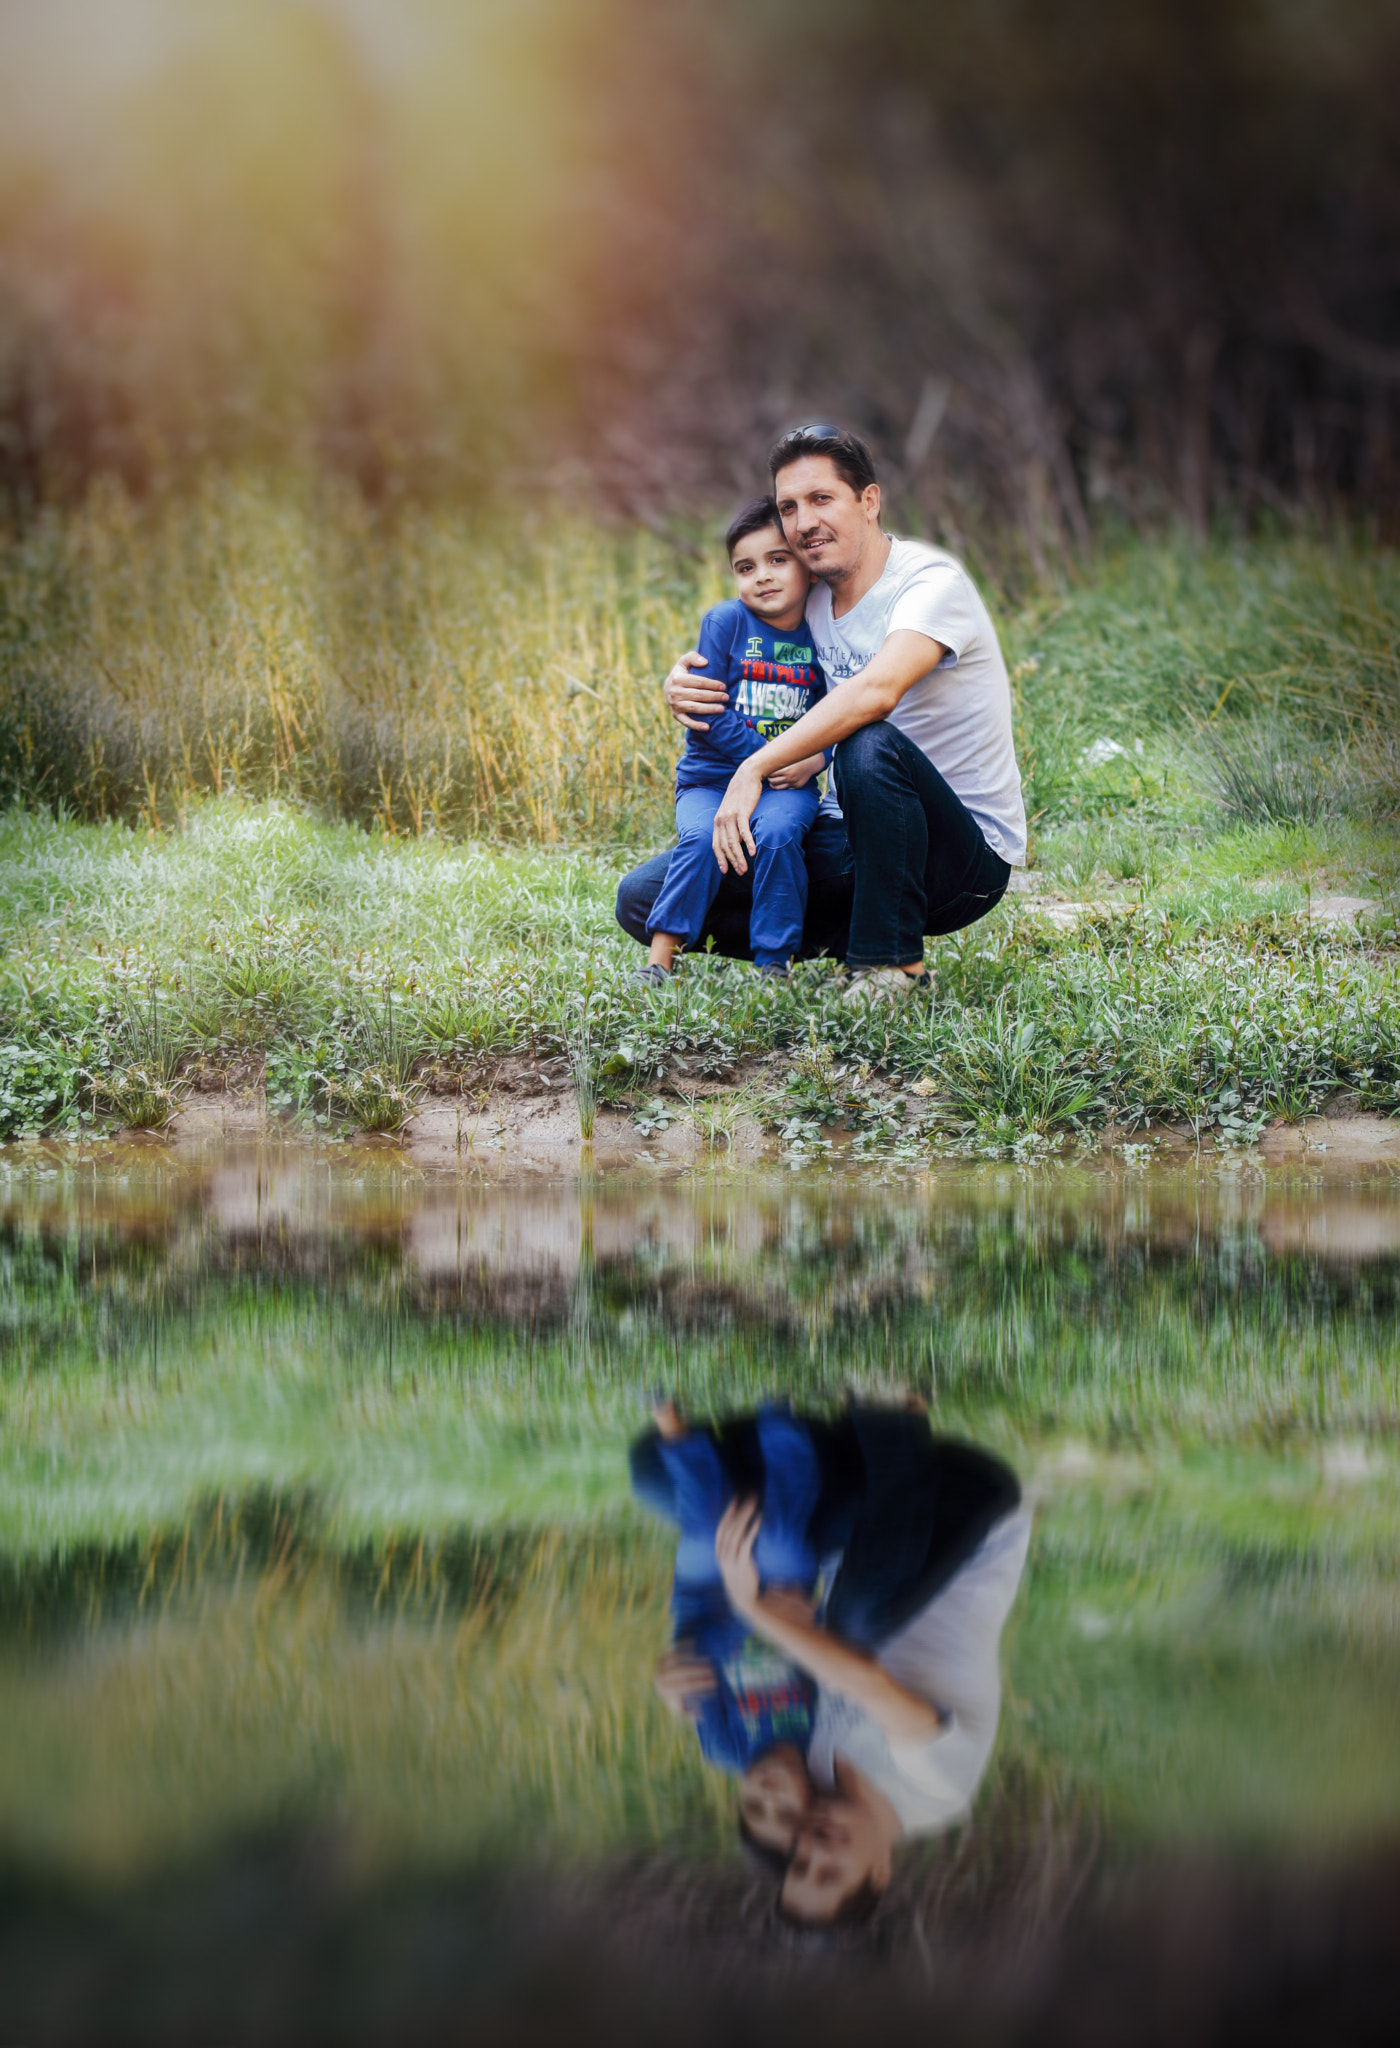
(867, 751)
(637, 892)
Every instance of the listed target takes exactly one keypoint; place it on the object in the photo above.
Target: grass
(426, 670)
(342, 796)
(418, 672)
(353, 969)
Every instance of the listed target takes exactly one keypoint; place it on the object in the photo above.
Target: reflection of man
(906, 1664)
(919, 710)
(923, 1548)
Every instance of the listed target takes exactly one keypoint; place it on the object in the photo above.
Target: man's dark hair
(754, 518)
(854, 1910)
(848, 453)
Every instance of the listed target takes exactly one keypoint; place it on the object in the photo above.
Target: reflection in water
(318, 1522)
(867, 1714)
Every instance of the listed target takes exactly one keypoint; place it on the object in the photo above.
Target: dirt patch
(1336, 1142)
(220, 1113)
(524, 1125)
(529, 1123)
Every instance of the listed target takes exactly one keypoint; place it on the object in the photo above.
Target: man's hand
(682, 1676)
(693, 698)
(732, 831)
(734, 1541)
(785, 1604)
(799, 774)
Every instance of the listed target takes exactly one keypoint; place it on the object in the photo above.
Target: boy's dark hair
(849, 455)
(762, 1858)
(763, 512)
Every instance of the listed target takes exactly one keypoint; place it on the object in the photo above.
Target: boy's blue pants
(701, 1491)
(779, 826)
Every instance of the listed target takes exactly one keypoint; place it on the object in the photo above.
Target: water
(321, 1577)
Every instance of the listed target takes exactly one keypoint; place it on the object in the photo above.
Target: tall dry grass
(418, 670)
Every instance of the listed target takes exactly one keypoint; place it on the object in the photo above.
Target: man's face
(771, 580)
(838, 1849)
(774, 1797)
(826, 522)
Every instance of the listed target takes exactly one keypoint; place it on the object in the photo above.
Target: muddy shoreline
(523, 1118)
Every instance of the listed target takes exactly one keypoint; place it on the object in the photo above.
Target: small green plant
(587, 1029)
(813, 1088)
(654, 1117)
(135, 1097)
(374, 1099)
(716, 1118)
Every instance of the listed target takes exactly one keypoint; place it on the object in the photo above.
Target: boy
(758, 645)
(744, 1700)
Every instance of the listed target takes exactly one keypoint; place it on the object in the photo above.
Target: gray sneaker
(883, 987)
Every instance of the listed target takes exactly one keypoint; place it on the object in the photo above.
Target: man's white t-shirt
(959, 714)
(949, 1654)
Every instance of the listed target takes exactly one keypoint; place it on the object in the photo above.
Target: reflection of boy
(744, 1698)
(758, 645)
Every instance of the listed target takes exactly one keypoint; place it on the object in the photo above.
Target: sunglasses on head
(817, 430)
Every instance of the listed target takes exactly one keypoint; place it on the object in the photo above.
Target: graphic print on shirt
(772, 678)
(839, 664)
(774, 693)
(771, 1697)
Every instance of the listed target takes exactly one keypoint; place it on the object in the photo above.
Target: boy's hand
(799, 774)
(682, 1676)
(732, 831)
(734, 1541)
(691, 699)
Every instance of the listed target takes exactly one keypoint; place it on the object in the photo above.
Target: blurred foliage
(1065, 265)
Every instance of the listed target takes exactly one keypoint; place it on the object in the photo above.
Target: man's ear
(870, 499)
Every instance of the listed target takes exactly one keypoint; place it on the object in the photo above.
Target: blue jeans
(830, 881)
(694, 1493)
(926, 1505)
(922, 865)
(779, 825)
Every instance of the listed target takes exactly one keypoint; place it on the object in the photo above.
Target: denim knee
(637, 892)
(865, 752)
(770, 832)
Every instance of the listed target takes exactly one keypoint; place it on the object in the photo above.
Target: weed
(716, 1118)
(136, 1097)
(654, 1116)
(1267, 772)
(373, 1099)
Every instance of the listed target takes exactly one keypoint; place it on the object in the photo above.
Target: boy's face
(775, 1795)
(772, 581)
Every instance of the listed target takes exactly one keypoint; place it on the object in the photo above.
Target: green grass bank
(303, 791)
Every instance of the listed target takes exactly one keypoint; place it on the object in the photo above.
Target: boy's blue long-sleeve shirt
(772, 678)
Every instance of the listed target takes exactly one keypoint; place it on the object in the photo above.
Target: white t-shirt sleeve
(937, 601)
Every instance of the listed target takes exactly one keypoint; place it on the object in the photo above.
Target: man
(918, 710)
